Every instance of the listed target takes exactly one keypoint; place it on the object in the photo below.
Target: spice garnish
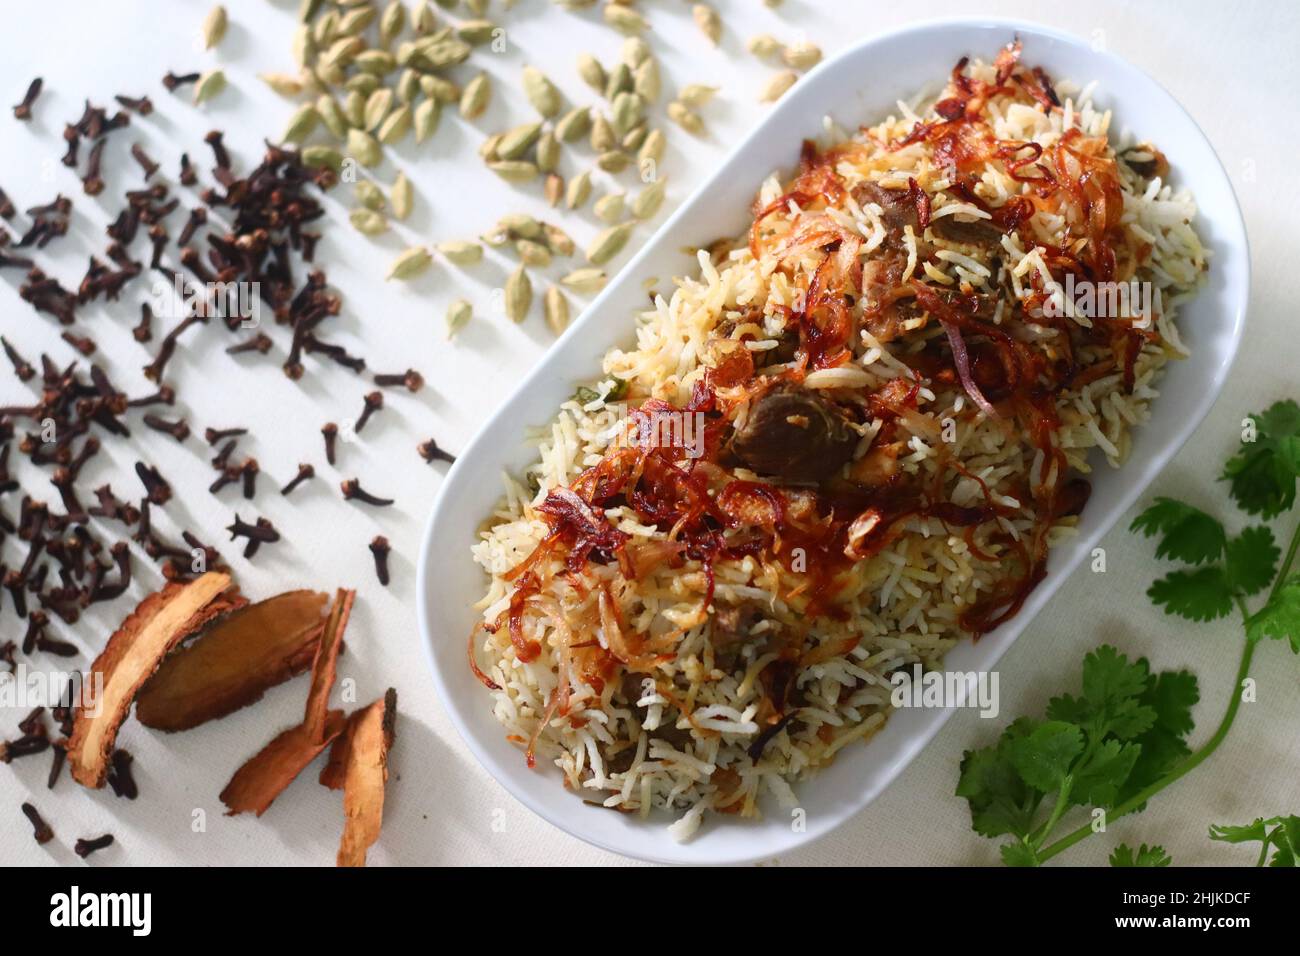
(161, 621)
(234, 663)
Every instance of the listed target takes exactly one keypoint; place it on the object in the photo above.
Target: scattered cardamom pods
(685, 117)
(516, 142)
(707, 19)
(209, 85)
(364, 148)
(369, 195)
(286, 84)
(763, 45)
(585, 281)
(557, 240)
(573, 125)
(776, 87)
(396, 126)
(368, 222)
(519, 295)
(401, 196)
(327, 108)
(646, 80)
(317, 155)
(624, 19)
(514, 170)
(802, 55)
(458, 315)
(214, 26)
(541, 92)
(391, 22)
(609, 209)
(461, 253)
(579, 190)
(533, 253)
(475, 97)
(410, 263)
(592, 73)
(652, 150)
(608, 244)
(548, 152)
(301, 123)
(426, 119)
(477, 32)
(377, 106)
(648, 201)
(696, 94)
(555, 309)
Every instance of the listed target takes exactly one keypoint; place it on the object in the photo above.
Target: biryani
(847, 443)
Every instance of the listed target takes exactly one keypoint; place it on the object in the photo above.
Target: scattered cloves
(412, 380)
(430, 452)
(84, 847)
(380, 548)
(40, 829)
(352, 490)
(305, 471)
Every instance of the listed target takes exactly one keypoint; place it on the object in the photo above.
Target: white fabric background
(1233, 66)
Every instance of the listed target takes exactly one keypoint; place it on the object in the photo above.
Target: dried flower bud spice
(41, 830)
(352, 490)
(380, 549)
(430, 452)
(84, 847)
(305, 471)
(23, 110)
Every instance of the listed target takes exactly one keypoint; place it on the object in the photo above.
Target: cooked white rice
(676, 735)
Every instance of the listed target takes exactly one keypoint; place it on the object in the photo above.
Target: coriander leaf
(1112, 686)
(1258, 830)
(1200, 595)
(1263, 472)
(1280, 617)
(1172, 695)
(1043, 757)
(1252, 559)
(1098, 781)
(1124, 855)
(1189, 534)
(999, 800)
(1287, 840)
(1018, 854)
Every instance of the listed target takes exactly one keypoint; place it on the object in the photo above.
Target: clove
(352, 490)
(380, 548)
(23, 110)
(305, 471)
(411, 379)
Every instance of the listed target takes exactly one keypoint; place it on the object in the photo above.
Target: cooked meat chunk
(980, 232)
(897, 207)
(794, 434)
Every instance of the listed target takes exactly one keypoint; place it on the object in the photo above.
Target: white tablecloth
(1233, 66)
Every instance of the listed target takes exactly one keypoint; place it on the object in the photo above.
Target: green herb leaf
(1000, 801)
(1112, 686)
(1018, 854)
(1189, 534)
(1200, 595)
(1125, 855)
(1250, 833)
(1263, 473)
(1043, 757)
(1280, 832)
(1280, 617)
(1097, 783)
(1252, 560)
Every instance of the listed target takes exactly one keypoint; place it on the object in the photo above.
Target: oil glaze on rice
(699, 633)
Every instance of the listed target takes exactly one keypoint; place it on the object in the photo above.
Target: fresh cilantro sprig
(1123, 739)
(1125, 855)
(1283, 833)
(1125, 729)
